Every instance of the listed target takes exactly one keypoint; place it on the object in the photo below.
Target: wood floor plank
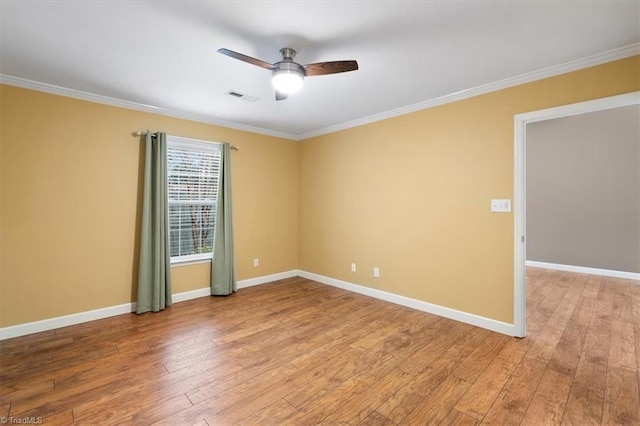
(635, 308)
(424, 356)
(4, 409)
(65, 399)
(586, 397)
(474, 364)
(361, 406)
(28, 368)
(272, 414)
(201, 423)
(457, 418)
(142, 411)
(623, 306)
(246, 400)
(436, 407)
(429, 377)
(635, 295)
(376, 419)
(26, 390)
(607, 292)
(554, 289)
(592, 286)
(621, 401)
(133, 348)
(622, 350)
(484, 391)
(25, 343)
(546, 341)
(330, 399)
(336, 369)
(584, 406)
(398, 406)
(592, 365)
(246, 382)
(568, 351)
(296, 352)
(62, 418)
(389, 353)
(512, 402)
(191, 415)
(338, 336)
(584, 309)
(548, 402)
(534, 288)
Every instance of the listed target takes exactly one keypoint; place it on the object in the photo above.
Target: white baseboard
(206, 291)
(584, 270)
(65, 321)
(72, 319)
(188, 295)
(267, 279)
(483, 322)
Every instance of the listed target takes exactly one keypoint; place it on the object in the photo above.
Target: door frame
(520, 169)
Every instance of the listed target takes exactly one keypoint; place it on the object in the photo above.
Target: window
(193, 169)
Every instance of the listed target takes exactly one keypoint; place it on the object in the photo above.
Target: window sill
(176, 263)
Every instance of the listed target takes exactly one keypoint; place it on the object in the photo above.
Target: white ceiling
(163, 53)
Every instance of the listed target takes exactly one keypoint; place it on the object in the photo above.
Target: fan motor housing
(289, 66)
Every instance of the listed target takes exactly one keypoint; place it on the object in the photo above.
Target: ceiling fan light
(287, 81)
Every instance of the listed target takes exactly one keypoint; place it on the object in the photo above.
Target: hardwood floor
(297, 352)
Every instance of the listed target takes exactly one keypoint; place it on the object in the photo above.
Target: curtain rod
(141, 133)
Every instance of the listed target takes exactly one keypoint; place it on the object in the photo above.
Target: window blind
(193, 170)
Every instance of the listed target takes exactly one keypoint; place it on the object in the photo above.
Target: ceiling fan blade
(280, 96)
(245, 58)
(334, 67)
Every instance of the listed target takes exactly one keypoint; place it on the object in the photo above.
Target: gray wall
(583, 190)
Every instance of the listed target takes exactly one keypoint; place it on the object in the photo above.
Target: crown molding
(575, 65)
(91, 97)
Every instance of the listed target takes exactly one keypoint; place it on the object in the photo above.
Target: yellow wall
(411, 194)
(408, 194)
(70, 194)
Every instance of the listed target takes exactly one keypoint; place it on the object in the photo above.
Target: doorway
(520, 136)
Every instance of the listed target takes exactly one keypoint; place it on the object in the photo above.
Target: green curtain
(223, 268)
(154, 268)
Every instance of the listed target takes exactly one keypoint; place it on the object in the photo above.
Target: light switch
(502, 205)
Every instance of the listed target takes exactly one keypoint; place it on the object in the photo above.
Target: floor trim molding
(64, 321)
(584, 270)
(67, 320)
(483, 322)
(125, 308)
(267, 279)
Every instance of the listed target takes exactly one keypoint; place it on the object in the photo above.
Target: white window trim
(196, 145)
(191, 259)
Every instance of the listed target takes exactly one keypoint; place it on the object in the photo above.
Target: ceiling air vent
(237, 94)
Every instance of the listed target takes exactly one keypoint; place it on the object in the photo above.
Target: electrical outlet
(353, 267)
(376, 272)
(256, 263)
(503, 205)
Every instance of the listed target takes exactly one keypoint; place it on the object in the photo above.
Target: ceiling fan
(287, 76)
